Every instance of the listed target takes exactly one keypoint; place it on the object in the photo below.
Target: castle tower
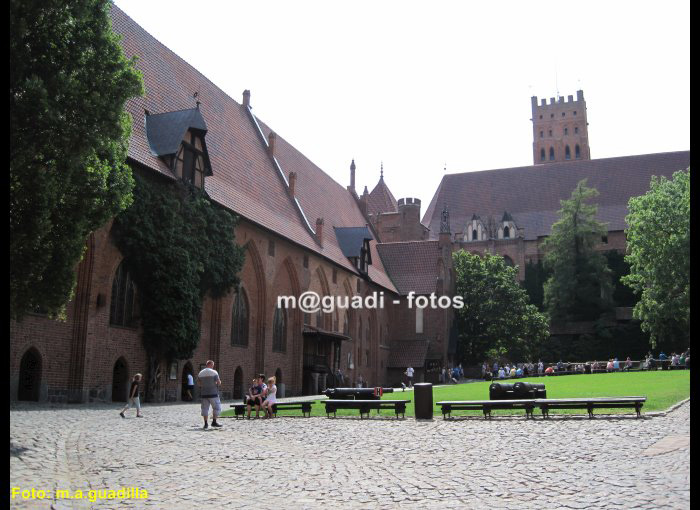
(560, 130)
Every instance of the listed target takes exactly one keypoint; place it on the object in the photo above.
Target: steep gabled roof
(381, 200)
(246, 180)
(532, 194)
(411, 265)
(407, 353)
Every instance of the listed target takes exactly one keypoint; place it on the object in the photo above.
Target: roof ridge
(562, 163)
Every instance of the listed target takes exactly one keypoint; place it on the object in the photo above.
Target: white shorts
(215, 404)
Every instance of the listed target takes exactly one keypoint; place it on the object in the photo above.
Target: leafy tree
(179, 247)
(69, 80)
(535, 276)
(658, 245)
(497, 318)
(579, 287)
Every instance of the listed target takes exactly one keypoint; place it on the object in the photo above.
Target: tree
(69, 80)
(579, 286)
(179, 246)
(658, 246)
(497, 318)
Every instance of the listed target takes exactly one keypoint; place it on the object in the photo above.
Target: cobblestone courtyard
(510, 463)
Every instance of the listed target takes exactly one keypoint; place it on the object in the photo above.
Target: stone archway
(120, 381)
(30, 376)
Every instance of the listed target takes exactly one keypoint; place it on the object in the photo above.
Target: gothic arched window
(279, 330)
(578, 152)
(506, 232)
(543, 155)
(551, 154)
(567, 152)
(239, 320)
(121, 310)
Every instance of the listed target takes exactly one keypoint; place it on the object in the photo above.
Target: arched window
(551, 154)
(121, 311)
(578, 152)
(567, 152)
(506, 232)
(543, 155)
(279, 330)
(509, 261)
(239, 319)
(475, 235)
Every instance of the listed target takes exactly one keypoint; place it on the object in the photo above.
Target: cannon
(519, 390)
(357, 393)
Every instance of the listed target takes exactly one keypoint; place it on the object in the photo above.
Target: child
(271, 397)
(133, 397)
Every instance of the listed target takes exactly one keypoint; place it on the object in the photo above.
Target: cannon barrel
(355, 393)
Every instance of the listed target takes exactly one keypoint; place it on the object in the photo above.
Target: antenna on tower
(556, 80)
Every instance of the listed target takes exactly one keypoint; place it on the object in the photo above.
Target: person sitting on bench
(271, 398)
(255, 396)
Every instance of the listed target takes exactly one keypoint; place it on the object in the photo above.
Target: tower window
(506, 233)
(541, 134)
(550, 132)
(578, 152)
(574, 112)
(543, 155)
(576, 130)
(567, 152)
(474, 234)
(566, 131)
(551, 115)
(563, 114)
(540, 116)
(551, 154)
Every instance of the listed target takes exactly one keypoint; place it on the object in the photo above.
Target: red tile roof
(531, 194)
(412, 265)
(381, 200)
(407, 353)
(245, 178)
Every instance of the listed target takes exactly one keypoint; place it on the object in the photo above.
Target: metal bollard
(423, 393)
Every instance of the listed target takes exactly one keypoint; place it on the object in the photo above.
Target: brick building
(302, 231)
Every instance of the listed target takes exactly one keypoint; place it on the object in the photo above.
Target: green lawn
(663, 388)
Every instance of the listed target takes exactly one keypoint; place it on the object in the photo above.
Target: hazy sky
(421, 85)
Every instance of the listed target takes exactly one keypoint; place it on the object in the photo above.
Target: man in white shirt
(209, 383)
(409, 374)
(190, 386)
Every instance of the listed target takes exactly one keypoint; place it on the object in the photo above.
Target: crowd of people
(509, 370)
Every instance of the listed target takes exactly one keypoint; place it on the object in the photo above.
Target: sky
(428, 88)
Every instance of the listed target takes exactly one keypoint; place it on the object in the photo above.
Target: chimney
(246, 97)
(363, 201)
(271, 140)
(319, 231)
(292, 183)
(352, 175)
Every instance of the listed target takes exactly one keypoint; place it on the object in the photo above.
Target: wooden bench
(486, 406)
(590, 403)
(303, 405)
(365, 406)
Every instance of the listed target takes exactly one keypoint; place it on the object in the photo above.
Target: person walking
(409, 374)
(133, 397)
(209, 383)
(190, 386)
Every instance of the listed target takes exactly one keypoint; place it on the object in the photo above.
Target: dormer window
(178, 139)
(189, 162)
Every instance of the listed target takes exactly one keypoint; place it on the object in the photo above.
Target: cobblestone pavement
(507, 462)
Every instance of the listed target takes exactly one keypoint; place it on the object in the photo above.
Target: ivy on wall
(179, 247)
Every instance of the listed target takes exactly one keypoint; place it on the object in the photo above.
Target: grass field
(663, 388)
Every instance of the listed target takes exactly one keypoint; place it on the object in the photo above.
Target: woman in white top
(271, 397)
